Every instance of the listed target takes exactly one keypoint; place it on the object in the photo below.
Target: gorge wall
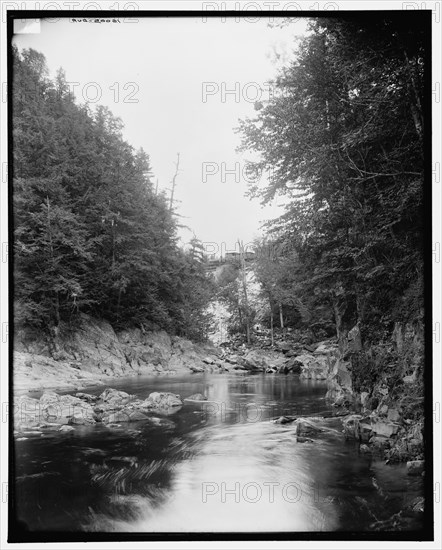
(93, 351)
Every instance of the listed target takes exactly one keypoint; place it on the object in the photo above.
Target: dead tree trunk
(281, 316)
(244, 286)
(172, 192)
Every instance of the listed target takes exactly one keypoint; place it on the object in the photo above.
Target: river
(216, 466)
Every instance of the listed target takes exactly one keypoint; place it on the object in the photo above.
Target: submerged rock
(308, 426)
(196, 397)
(128, 415)
(417, 505)
(284, 420)
(351, 426)
(66, 428)
(301, 439)
(81, 417)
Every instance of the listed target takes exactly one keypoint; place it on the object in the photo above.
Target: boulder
(409, 380)
(66, 428)
(365, 430)
(254, 360)
(197, 368)
(307, 426)
(292, 365)
(305, 359)
(326, 348)
(61, 411)
(125, 415)
(357, 427)
(240, 367)
(89, 398)
(417, 505)
(351, 426)
(260, 360)
(283, 346)
(385, 429)
(164, 400)
(284, 420)
(364, 398)
(339, 383)
(135, 416)
(393, 415)
(114, 397)
(380, 443)
(49, 397)
(81, 418)
(314, 367)
(224, 367)
(415, 467)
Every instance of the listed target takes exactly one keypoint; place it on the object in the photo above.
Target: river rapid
(222, 465)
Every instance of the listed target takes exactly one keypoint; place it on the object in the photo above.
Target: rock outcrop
(93, 352)
(339, 383)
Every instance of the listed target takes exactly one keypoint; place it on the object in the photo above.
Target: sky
(180, 85)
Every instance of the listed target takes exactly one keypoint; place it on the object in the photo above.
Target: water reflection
(220, 465)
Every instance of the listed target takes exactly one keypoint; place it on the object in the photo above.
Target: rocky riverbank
(94, 353)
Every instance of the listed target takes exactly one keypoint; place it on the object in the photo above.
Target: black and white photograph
(221, 227)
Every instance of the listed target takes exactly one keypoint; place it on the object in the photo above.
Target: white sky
(170, 61)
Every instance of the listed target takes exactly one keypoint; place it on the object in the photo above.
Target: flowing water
(216, 466)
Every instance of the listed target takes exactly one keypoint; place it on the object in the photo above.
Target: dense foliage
(343, 138)
(90, 233)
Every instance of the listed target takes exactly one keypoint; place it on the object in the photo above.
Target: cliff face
(93, 352)
(384, 384)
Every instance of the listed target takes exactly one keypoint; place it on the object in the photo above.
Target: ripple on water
(221, 467)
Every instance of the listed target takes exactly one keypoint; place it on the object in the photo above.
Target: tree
(91, 234)
(343, 139)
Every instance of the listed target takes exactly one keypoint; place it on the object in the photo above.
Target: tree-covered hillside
(343, 137)
(90, 233)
